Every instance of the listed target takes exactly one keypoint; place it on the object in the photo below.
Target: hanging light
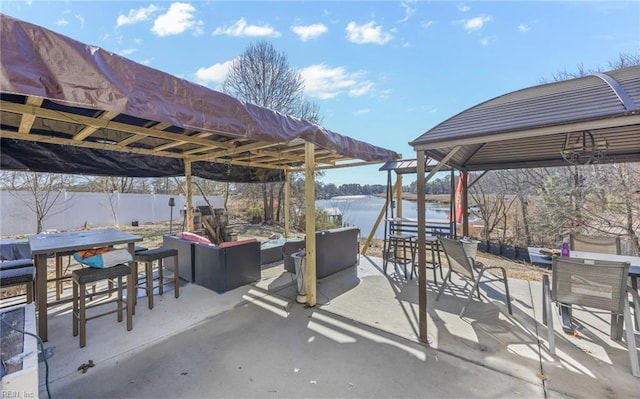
(582, 148)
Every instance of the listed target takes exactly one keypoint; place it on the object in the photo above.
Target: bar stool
(62, 272)
(18, 272)
(432, 243)
(400, 242)
(91, 275)
(148, 257)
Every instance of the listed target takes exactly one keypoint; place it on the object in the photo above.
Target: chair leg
(30, 291)
(476, 287)
(130, 301)
(636, 305)
(119, 288)
(161, 276)
(58, 276)
(631, 341)
(83, 316)
(506, 289)
(74, 313)
(444, 284)
(546, 300)
(176, 276)
(149, 271)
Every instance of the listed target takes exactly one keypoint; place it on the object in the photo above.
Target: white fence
(72, 210)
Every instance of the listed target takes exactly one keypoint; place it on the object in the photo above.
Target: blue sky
(380, 71)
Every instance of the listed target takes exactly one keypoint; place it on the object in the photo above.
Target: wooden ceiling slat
(84, 120)
(89, 130)
(27, 120)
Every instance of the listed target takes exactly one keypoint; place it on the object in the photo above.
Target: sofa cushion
(186, 235)
(229, 244)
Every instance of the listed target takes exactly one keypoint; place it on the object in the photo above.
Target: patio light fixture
(582, 148)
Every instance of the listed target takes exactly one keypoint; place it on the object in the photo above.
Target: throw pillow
(186, 235)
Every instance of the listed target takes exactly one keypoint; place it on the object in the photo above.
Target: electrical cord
(44, 357)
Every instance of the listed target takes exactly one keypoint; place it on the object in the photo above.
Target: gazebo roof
(68, 107)
(529, 127)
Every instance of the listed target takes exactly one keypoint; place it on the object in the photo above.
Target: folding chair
(594, 284)
(466, 268)
(600, 244)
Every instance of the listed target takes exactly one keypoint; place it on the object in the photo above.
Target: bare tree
(490, 195)
(44, 191)
(262, 76)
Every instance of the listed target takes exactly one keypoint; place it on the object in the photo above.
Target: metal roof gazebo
(595, 118)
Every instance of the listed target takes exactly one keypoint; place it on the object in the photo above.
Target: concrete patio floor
(359, 341)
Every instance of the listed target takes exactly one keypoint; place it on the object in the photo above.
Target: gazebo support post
(310, 222)
(465, 203)
(287, 203)
(422, 259)
(189, 183)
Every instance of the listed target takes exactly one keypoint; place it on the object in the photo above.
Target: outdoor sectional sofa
(336, 249)
(220, 268)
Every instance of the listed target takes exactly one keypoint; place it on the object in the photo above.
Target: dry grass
(152, 237)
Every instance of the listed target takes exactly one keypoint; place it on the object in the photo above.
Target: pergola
(588, 119)
(69, 107)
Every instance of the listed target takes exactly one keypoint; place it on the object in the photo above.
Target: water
(363, 210)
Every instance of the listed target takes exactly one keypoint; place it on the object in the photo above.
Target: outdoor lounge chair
(601, 244)
(594, 284)
(467, 268)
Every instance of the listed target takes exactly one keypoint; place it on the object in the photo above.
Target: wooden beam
(131, 139)
(399, 194)
(344, 165)
(27, 120)
(310, 223)
(367, 243)
(89, 130)
(89, 121)
(115, 147)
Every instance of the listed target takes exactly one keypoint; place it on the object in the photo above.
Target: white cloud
(306, 32)
(178, 19)
(62, 22)
(408, 11)
(426, 24)
(127, 51)
(361, 89)
(80, 18)
(321, 81)
(367, 33)
(524, 28)
(241, 28)
(477, 23)
(485, 41)
(361, 112)
(464, 8)
(215, 73)
(135, 16)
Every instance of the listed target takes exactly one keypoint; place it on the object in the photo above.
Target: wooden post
(367, 243)
(187, 173)
(310, 222)
(422, 257)
(287, 203)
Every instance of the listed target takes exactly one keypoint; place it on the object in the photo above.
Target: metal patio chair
(601, 244)
(468, 269)
(594, 284)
